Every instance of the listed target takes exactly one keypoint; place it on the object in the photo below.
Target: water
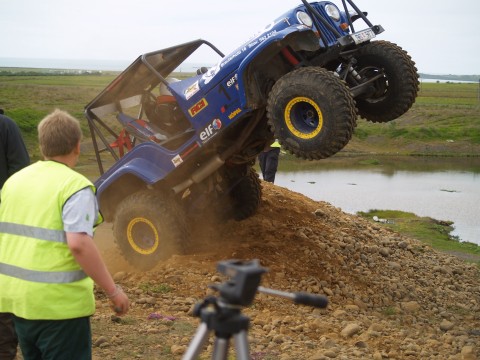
(443, 194)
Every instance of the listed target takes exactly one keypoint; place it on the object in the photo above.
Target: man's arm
(79, 215)
(88, 257)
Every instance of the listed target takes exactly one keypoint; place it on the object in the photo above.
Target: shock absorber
(352, 71)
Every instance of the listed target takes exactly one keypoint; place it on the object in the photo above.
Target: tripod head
(242, 286)
(244, 283)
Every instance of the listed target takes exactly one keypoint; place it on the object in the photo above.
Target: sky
(442, 36)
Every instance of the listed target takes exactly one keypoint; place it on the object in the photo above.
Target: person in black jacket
(13, 152)
(13, 157)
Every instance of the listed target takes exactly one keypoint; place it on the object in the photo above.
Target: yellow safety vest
(275, 144)
(39, 277)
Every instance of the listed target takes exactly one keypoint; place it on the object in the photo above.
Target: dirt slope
(390, 297)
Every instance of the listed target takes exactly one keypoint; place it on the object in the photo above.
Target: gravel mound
(390, 297)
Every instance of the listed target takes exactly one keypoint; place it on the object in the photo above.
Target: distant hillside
(450, 77)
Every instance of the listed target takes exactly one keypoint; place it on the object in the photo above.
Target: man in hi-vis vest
(48, 260)
(268, 160)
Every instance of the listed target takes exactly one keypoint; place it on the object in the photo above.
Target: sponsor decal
(210, 74)
(191, 90)
(263, 30)
(210, 130)
(232, 81)
(234, 113)
(199, 106)
(177, 160)
(232, 56)
(261, 39)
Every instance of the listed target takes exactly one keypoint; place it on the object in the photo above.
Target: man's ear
(77, 149)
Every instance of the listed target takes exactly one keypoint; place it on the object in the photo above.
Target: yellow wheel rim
(296, 117)
(131, 240)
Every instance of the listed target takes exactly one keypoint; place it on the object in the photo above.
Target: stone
(350, 330)
(446, 325)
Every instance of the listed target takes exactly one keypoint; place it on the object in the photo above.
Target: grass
(435, 233)
(442, 112)
(155, 288)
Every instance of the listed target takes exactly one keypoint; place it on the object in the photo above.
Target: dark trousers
(54, 339)
(269, 163)
(8, 337)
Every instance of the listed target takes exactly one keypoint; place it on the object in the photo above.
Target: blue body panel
(212, 101)
(147, 161)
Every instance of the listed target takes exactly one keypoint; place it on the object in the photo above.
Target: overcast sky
(442, 36)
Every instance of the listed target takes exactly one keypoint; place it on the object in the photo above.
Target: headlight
(304, 18)
(333, 12)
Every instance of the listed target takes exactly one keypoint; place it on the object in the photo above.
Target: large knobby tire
(149, 228)
(396, 91)
(312, 113)
(245, 196)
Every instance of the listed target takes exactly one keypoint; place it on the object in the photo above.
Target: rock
(410, 306)
(385, 252)
(469, 353)
(446, 325)
(101, 340)
(178, 349)
(350, 330)
(119, 276)
(332, 353)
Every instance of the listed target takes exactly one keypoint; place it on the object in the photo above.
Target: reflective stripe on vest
(33, 232)
(48, 277)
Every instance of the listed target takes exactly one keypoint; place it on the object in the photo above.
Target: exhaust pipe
(200, 174)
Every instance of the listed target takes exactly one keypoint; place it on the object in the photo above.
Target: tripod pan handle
(303, 298)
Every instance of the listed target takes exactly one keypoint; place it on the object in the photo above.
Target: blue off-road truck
(185, 146)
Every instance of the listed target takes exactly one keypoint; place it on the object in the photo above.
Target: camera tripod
(223, 314)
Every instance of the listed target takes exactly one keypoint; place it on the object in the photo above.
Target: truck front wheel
(312, 113)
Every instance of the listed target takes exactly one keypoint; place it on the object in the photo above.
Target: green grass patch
(389, 311)
(155, 288)
(369, 162)
(435, 233)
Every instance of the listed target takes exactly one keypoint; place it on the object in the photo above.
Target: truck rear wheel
(148, 229)
(312, 113)
(241, 195)
(245, 196)
(395, 92)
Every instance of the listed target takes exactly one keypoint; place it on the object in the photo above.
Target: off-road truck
(183, 147)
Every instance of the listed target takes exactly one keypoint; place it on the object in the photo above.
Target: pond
(443, 189)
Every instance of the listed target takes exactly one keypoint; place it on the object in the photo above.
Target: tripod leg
(220, 349)
(241, 345)
(197, 343)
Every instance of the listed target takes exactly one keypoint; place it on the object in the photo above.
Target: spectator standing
(48, 260)
(13, 153)
(13, 157)
(268, 160)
